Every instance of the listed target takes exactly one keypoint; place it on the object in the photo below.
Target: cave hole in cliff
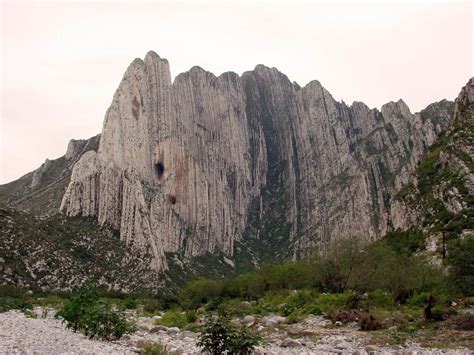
(172, 199)
(159, 169)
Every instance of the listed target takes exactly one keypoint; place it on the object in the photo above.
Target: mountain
(40, 192)
(440, 198)
(252, 164)
(60, 253)
(230, 171)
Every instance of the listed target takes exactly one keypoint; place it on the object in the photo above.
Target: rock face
(41, 191)
(226, 164)
(439, 198)
(61, 253)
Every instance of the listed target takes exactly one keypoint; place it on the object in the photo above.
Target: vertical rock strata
(206, 163)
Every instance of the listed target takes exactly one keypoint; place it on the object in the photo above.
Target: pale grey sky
(62, 61)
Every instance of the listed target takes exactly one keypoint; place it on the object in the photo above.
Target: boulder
(290, 343)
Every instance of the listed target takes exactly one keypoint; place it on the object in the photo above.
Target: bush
(406, 242)
(101, 321)
(77, 306)
(191, 316)
(173, 318)
(219, 336)
(369, 323)
(11, 291)
(151, 305)
(85, 312)
(336, 267)
(298, 301)
(153, 349)
(13, 298)
(167, 301)
(250, 286)
(198, 292)
(9, 303)
(379, 298)
(129, 303)
(460, 255)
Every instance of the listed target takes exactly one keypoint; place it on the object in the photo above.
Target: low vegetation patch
(86, 312)
(220, 336)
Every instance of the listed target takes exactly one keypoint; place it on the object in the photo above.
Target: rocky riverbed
(315, 335)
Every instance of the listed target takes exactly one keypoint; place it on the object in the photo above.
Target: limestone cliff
(210, 164)
(40, 191)
(439, 199)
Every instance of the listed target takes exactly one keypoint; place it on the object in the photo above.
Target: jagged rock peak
(207, 164)
(464, 104)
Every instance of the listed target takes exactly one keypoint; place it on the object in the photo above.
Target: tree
(461, 261)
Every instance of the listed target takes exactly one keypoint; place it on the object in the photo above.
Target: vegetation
(153, 349)
(219, 336)
(460, 259)
(14, 298)
(381, 285)
(86, 312)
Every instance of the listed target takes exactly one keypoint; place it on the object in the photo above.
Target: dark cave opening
(172, 199)
(160, 169)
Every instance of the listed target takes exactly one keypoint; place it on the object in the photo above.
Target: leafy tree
(406, 242)
(461, 261)
(336, 268)
(201, 291)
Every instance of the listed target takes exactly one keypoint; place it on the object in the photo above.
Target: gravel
(20, 334)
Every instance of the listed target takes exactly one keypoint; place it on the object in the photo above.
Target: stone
(290, 343)
(180, 164)
(172, 330)
(189, 334)
(341, 345)
(279, 319)
(372, 349)
(248, 319)
(270, 323)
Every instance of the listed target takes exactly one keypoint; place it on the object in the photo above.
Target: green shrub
(406, 242)
(12, 297)
(9, 303)
(54, 301)
(76, 307)
(173, 318)
(250, 286)
(214, 304)
(369, 323)
(168, 301)
(460, 256)
(379, 298)
(219, 336)
(339, 267)
(102, 321)
(84, 311)
(151, 305)
(314, 309)
(12, 291)
(198, 292)
(153, 349)
(191, 316)
(129, 303)
(298, 301)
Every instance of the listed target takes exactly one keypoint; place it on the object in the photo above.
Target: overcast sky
(61, 63)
